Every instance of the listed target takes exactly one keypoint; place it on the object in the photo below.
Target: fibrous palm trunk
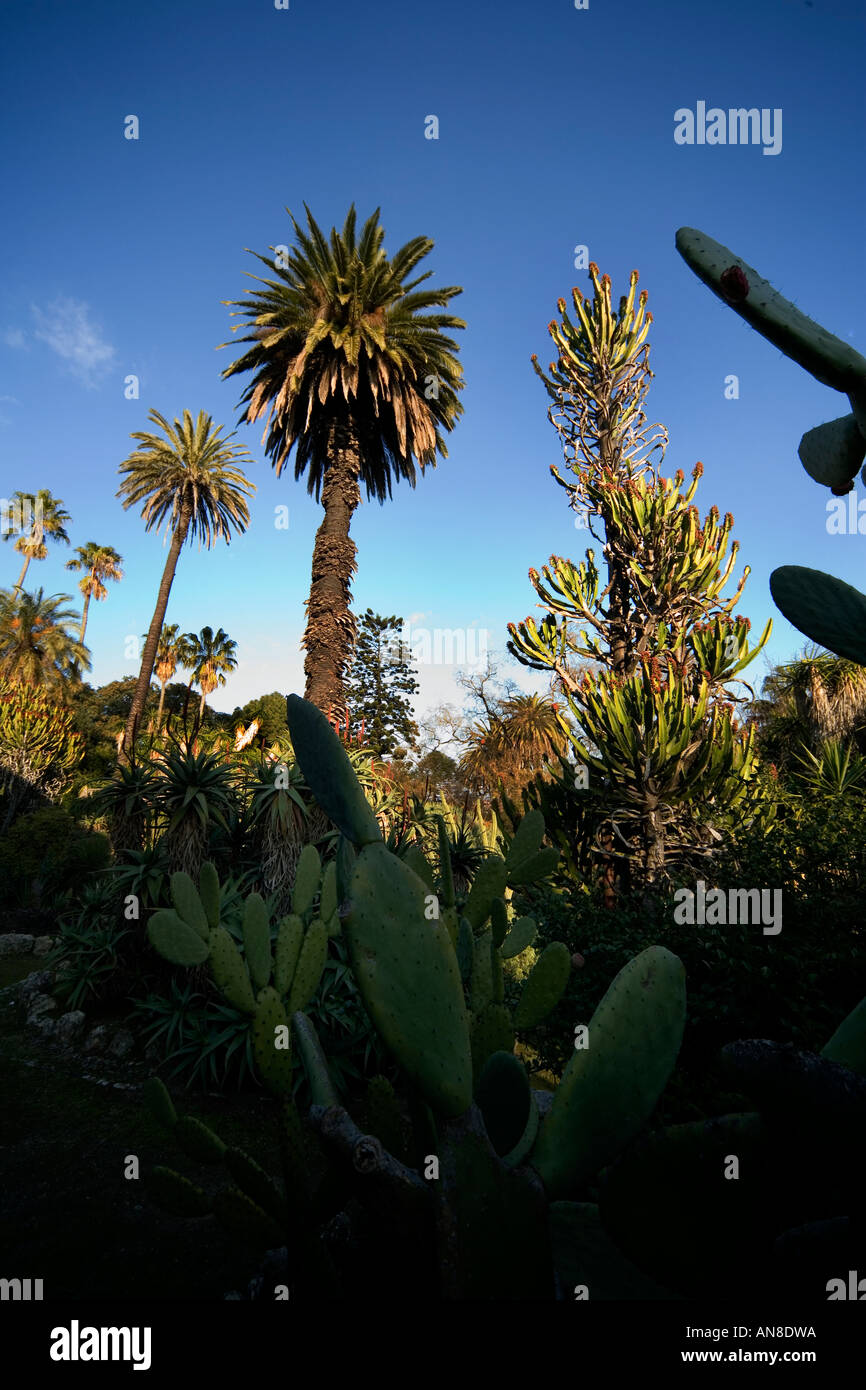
(330, 636)
(150, 646)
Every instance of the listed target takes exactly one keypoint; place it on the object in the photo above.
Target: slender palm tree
(168, 657)
(190, 480)
(349, 370)
(36, 645)
(208, 656)
(33, 516)
(99, 562)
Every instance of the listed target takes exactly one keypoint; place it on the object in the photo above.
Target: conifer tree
(662, 768)
(380, 682)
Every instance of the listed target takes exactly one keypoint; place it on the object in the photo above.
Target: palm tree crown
(99, 562)
(208, 655)
(33, 516)
(36, 646)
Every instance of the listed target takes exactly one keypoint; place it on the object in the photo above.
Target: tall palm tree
(349, 370)
(190, 480)
(36, 645)
(208, 656)
(99, 562)
(169, 652)
(33, 517)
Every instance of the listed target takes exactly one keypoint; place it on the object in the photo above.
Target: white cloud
(68, 330)
(10, 400)
(14, 337)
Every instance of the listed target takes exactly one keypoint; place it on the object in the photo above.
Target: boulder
(97, 1038)
(70, 1027)
(122, 1043)
(16, 944)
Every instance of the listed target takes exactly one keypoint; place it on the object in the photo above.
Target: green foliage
(203, 1042)
(381, 682)
(46, 855)
(39, 748)
(91, 953)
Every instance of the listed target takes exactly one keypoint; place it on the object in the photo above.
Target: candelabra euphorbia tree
(644, 656)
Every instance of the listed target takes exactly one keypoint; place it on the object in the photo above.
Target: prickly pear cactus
(831, 453)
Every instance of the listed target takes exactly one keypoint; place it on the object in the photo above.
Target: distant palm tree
(32, 517)
(168, 657)
(36, 646)
(99, 562)
(515, 741)
(188, 479)
(208, 656)
(349, 370)
(814, 698)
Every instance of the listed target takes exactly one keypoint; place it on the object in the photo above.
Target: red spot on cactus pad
(735, 286)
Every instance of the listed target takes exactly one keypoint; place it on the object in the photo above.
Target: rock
(42, 945)
(70, 1027)
(39, 1006)
(97, 1039)
(16, 944)
(37, 982)
(122, 1043)
(44, 1025)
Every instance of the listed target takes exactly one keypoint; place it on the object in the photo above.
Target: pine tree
(380, 682)
(662, 767)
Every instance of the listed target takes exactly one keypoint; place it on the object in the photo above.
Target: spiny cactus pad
(544, 985)
(848, 1044)
(290, 937)
(407, 972)
(328, 772)
(825, 356)
(274, 1064)
(609, 1089)
(311, 963)
(189, 905)
(307, 879)
(209, 892)
(229, 971)
(175, 939)
(829, 611)
(833, 454)
(257, 940)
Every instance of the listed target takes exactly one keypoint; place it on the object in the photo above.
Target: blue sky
(556, 129)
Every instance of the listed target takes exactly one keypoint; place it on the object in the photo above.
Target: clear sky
(556, 129)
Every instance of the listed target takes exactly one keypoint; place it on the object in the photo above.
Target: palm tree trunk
(84, 617)
(201, 706)
(331, 629)
(162, 686)
(150, 646)
(27, 559)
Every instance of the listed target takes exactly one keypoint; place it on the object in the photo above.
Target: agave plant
(194, 792)
(129, 804)
(832, 769)
(143, 874)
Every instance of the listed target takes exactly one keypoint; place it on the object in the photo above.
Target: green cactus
(504, 1099)
(252, 1179)
(829, 611)
(307, 879)
(245, 1220)
(257, 940)
(544, 986)
(175, 939)
(329, 774)
(199, 1141)
(521, 935)
(209, 892)
(482, 972)
(827, 358)
(274, 1063)
(489, 883)
(188, 904)
(290, 938)
(609, 1089)
(159, 1102)
(406, 970)
(311, 963)
(490, 1031)
(177, 1194)
(848, 1044)
(230, 973)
